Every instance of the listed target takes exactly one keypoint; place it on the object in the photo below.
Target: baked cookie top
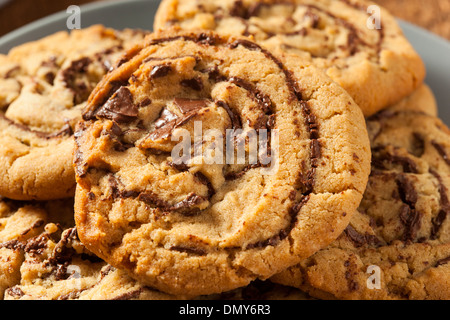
(363, 50)
(41, 258)
(164, 194)
(58, 267)
(400, 238)
(44, 86)
(421, 100)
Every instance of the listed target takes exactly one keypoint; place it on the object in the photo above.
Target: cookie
(184, 209)
(58, 267)
(20, 222)
(44, 86)
(374, 62)
(398, 245)
(422, 100)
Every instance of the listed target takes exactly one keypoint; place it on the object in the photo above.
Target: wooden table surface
(433, 15)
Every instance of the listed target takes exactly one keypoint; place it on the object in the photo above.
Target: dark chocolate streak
(189, 250)
(409, 215)
(444, 202)
(284, 233)
(442, 262)
(381, 157)
(296, 95)
(359, 239)
(66, 131)
(184, 207)
(441, 150)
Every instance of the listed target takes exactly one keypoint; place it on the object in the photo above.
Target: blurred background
(433, 15)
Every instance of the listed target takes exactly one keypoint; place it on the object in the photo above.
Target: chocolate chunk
(165, 118)
(192, 200)
(406, 190)
(206, 39)
(214, 74)
(194, 83)
(120, 107)
(167, 122)
(15, 292)
(238, 10)
(444, 202)
(36, 245)
(359, 239)
(442, 262)
(408, 214)
(189, 250)
(144, 103)
(160, 71)
(13, 245)
(184, 207)
(179, 166)
(70, 75)
(190, 105)
(164, 125)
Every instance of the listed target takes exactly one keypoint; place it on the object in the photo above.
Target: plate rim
(56, 17)
(89, 7)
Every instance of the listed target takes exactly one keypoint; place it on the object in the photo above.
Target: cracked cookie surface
(374, 63)
(20, 222)
(403, 223)
(44, 86)
(41, 258)
(208, 227)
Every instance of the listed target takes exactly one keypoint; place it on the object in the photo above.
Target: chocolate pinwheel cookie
(359, 45)
(205, 162)
(44, 85)
(398, 245)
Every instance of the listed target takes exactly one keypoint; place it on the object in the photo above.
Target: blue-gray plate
(434, 50)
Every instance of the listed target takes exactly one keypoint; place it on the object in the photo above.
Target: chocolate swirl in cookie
(402, 227)
(347, 38)
(220, 215)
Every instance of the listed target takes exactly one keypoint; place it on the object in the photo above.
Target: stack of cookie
(246, 149)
